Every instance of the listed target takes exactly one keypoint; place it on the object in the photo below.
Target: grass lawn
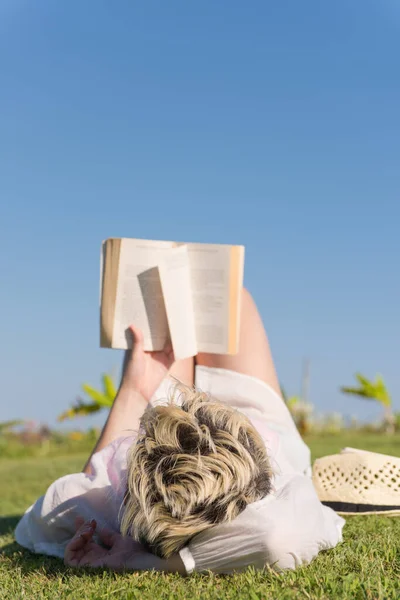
(366, 565)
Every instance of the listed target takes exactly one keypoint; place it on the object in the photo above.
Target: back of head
(194, 466)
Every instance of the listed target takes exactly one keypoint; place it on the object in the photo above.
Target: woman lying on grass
(217, 479)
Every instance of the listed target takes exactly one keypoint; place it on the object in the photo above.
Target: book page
(175, 277)
(210, 282)
(139, 297)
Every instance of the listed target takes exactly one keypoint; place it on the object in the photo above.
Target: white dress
(286, 529)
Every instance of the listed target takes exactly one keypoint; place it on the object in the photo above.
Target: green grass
(365, 566)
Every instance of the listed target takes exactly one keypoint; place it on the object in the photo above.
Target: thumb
(136, 347)
(137, 339)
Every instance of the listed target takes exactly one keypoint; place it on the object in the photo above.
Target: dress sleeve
(284, 531)
(49, 524)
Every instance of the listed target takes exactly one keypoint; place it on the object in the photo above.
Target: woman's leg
(254, 356)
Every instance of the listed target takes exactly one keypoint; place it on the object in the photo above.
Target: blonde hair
(193, 466)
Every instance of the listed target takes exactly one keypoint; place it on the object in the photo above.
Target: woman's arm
(125, 414)
(141, 375)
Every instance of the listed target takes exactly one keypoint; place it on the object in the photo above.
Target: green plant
(374, 390)
(99, 399)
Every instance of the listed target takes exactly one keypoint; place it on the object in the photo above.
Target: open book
(188, 293)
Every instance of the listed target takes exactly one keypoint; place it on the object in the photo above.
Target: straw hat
(358, 482)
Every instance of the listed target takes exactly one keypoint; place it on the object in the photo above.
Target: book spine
(110, 253)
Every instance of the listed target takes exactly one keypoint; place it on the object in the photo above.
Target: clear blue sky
(270, 124)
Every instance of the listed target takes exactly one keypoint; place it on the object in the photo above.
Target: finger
(107, 536)
(77, 543)
(86, 525)
(82, 535)
(137, 336)
(76, 558)
(72, 556)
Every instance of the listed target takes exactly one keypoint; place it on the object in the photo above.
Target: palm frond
(109, 387)
(99, 399)
(356, 392)
(382, 391)
(363, 380)
(370, 389)
(80, 409)
(96, 396)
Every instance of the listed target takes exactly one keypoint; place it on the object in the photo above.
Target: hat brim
(350, 508)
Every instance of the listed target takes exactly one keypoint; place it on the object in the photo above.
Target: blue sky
(270, 124)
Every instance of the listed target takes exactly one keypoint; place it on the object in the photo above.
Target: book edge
(235, 297)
